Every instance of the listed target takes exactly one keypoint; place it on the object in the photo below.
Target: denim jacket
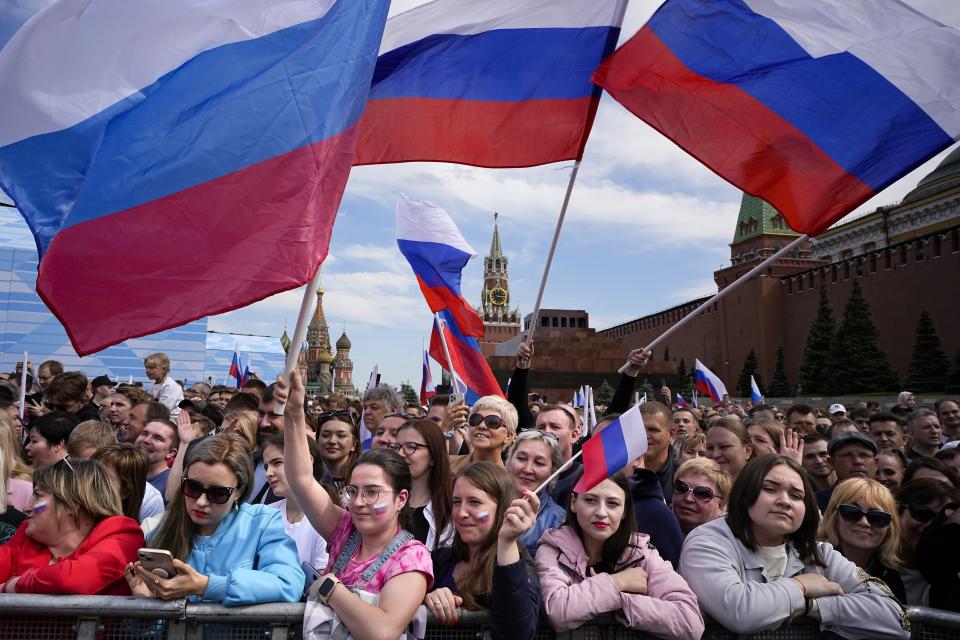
(550, 516)
(249, 559)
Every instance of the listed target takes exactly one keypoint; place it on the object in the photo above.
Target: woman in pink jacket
(597, 563)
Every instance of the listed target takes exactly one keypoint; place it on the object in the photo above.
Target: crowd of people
(753, 517)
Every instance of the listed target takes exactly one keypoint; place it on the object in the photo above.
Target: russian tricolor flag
(492, 83)
(427, 388)
(755, 396)
(812, 106)
(680, 401)
(617, 444)
(437, 252)
(189, 157)
(708, 382)
(468, 361)
(235, 371)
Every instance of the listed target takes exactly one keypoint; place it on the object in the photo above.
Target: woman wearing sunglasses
(532, 458)
(369, 550)
(919, 503)
(339, 438)
(761, 566)
(491, 429)
(597, 563)
(700, 490)
(859, 523)
(422, 444)
(223, 549)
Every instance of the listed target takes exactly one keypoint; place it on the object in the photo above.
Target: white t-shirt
(152, 503)
(311, 547)
(774, 560)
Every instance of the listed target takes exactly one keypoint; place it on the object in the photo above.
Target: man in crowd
(198, 391)
(886, 430)
(684, 422)
(816, 461)
(254, 386)
(561, 421)
(438, 408)
(949, 413)
(139, 416)
(160, 440)
(837, 412)
(802, 419)
(861, 417)
(378, 402)
(70, 392)
(925, 434)
(165, 390)
(659, 458)
(852, 455)
(386, 432)
(102, 390)
(121, 402)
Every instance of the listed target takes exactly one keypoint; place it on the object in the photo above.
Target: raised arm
(320, 510)
(628, 378)
(519, 385)
(187, 433)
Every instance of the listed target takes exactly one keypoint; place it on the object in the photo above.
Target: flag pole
(553, 248)
(300, 331)
(718, 296)
(561, 469)
(446, 353)
(23, 387)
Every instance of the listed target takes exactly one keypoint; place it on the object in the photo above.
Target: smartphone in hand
(158, 561)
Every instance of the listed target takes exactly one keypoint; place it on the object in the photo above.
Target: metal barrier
(33, 617)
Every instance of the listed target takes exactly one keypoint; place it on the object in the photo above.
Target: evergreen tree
(750, 368)
(647, 389)
(928, 364)
(953, 380)
(408, 393)
(666, 354)
(858, 363)
(779, 387)
(814, 369)
(682, 386)
(604, 393)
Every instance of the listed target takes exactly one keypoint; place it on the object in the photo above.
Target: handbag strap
(353, 542)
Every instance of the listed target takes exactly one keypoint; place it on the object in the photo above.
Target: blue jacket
(249, 559)
(550, 516)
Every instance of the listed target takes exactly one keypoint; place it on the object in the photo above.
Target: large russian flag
(619, 443)
(495, 83)
(175, 158)
(468, 361)
(812, 106)
(706, 381)
(437, 252)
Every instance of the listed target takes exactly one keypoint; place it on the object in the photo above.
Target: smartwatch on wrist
(329, 583)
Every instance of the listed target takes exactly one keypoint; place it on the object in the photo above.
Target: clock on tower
(500, 322)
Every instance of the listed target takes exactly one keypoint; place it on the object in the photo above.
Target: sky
(646, 228)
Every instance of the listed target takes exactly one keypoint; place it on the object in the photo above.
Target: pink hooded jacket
(570, 598)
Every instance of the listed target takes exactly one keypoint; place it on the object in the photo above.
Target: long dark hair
(346, 417)
(398, 474)
(615, 545)
(441, 488)
(476, 583)
(746, 490)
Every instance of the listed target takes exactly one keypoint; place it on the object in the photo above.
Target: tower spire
(496, 251)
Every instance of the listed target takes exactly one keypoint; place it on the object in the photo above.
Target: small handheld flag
(427, 388)
(619, 443)
(755, 396)
(680, 402)
(708, 382)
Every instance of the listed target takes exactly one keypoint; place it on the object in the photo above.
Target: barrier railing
(33, 617)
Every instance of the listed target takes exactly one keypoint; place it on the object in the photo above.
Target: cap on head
(836, 408)
(847, 437)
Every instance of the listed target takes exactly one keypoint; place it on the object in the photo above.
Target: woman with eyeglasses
(700, 490)
(75, 540)
(859, 523)
(491, 429)
(223, 549)
(761, 566)
(598, 563)
(369, 549)
(919, 503)
(339, 438)
(422, 444)
(532, 459)
(487, 567)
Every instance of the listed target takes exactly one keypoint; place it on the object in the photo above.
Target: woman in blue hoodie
(224, 550)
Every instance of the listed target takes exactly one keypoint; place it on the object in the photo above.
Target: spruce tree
(750, 368)
(928, 364)
(604, 393)
(682, 388)
(953, 380)
(814, 368)
(858, 363)
(779, 387)
(408, 393)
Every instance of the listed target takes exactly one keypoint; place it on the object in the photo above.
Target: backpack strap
(346, 552)
(402, 537)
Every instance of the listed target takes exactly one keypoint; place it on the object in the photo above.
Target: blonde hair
(13, 463)
(734, 426)
(245, 426)
(90, 433)
(710, 469)
(159, 358)
(507, 412)
(79, 486)
(876, 496)
(688, 440)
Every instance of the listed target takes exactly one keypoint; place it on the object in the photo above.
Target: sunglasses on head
(215, 495)
(701, 494)
(491, 421)
(342, 415)
(875, 517)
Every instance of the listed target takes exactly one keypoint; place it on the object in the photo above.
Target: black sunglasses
(491, 421)
(701, 493)
(215, 494)
(875, 517)
(923, 513)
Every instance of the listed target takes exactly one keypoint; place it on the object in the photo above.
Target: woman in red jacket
(75, 540)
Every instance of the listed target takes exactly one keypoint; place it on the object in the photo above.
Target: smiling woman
(761, 566)
(492, 428)
(531, 460)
